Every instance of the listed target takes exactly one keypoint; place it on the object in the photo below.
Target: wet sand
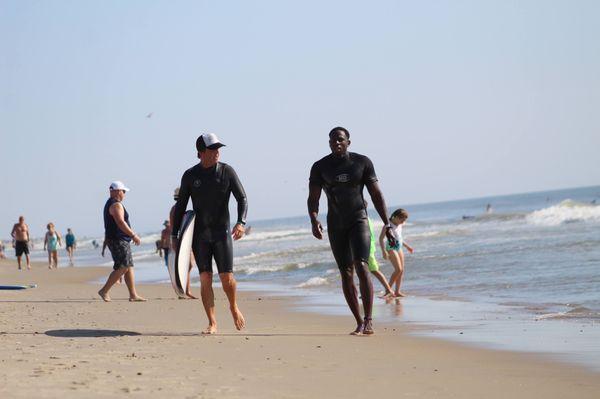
(61, 340)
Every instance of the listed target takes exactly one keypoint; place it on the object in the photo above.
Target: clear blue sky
(450, 99)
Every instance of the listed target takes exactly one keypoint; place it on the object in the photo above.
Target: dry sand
(61, 341)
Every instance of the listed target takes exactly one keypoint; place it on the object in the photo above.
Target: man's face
(209, 157)
(338, 142)
(21, 220)
(119, 195)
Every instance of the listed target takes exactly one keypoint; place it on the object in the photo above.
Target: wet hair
(340, 129)
(400, 214)
(200, 145)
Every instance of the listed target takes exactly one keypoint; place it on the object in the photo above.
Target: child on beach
(51, 242)
(374, 266)
(394, 253)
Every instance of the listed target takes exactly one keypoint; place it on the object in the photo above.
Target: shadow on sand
(83, 333)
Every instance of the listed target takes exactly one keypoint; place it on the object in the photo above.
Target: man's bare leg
(351, 297)
(19, 262)
(28, 263)
(208, 300)
(229, 286)
(366, 292)
(188, 290)
(130, 282)
(113, 277)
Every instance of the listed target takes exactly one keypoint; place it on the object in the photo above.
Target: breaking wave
(567, 211)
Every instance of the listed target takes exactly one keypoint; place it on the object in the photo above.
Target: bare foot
(137, 299)
(359, 330)
(211, 329)
(104, 296)
(399, 294)
(238, 318)
(387, 295)
(368, 327)
(190, 296)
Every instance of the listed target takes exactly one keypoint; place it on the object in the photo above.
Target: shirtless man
(210, 184)
(20, 235)
(343, 175)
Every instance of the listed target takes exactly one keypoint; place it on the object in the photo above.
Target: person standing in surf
(343, 175)
(188, 290)
(117, 237)
(210, 184)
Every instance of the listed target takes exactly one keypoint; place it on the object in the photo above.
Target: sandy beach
(61, 340)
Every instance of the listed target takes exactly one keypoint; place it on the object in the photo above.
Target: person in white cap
(117, 237)
(210, 185)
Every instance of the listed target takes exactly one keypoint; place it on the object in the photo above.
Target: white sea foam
(565, 212)
(313, 282)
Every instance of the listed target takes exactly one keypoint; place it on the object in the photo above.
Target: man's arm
(13, 233)
(242, 205)
(381, 208)
(179, 209)
(314, 195)
(117, 211)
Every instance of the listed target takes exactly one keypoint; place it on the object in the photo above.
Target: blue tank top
(111, 230)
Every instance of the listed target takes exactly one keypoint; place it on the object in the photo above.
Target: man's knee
(206, 278)
(227, 278)
(362, 268)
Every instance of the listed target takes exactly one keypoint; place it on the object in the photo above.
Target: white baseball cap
(118, 185)
(209, 140)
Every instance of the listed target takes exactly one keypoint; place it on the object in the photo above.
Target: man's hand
(238, 231)
(136, 239)
(390, 237)
(317, 229)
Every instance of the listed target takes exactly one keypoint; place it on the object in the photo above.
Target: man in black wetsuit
(210, 185)
(342, 175)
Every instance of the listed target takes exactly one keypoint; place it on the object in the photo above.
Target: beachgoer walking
(117, 237)
(393, 250)
(2, 248)
(165, 241)
(52, 241)
(71, 245)
(374, 266)
(20, 235)
(343, 175)
(188, 290)
(210, 185)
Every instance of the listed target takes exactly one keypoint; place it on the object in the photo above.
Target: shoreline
(60, 339)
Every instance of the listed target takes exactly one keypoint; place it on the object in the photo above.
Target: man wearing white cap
(210, 185)
(117, 237)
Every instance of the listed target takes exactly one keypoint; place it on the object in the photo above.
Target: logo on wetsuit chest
(197, 183)
(343, 178)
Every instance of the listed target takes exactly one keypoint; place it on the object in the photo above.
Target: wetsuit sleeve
(240, 195)
(315, 175)
(181, 204)
(369, 175)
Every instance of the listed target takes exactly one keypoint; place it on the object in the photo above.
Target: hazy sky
(450, 99)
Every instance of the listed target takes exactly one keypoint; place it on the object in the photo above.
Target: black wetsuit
(210, 190)
(343, 180)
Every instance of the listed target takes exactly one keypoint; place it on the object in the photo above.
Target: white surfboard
(179, 262)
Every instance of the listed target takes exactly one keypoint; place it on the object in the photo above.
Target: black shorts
(221, 250)
(21, 247)
(350, 244)
(121, 253)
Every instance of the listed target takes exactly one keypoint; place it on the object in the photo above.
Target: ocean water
(524, 276)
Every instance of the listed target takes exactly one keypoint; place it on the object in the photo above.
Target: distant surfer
(210, 184)
(488, 208)
(165, 241)
(188, 290)
(117, 237)
(20, 235)
(343, 175)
